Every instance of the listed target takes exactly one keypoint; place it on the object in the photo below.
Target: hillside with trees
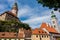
(12, 26)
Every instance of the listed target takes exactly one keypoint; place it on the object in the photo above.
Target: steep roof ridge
(45, 30)
(38, 31)
(48, 27)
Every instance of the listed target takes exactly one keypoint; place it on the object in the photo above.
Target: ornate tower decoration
(54, 21)
(15, 8)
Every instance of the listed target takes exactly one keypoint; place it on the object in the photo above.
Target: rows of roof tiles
(41, 31)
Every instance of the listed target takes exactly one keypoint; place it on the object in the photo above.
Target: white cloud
(35, 22)
(34, 18)
(35, 15)
(32, 12)
(24, 11)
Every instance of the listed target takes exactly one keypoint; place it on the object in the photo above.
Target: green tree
(51, 4)
(12, 26)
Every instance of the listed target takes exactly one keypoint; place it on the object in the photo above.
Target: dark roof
(54, 33)
(8, 12)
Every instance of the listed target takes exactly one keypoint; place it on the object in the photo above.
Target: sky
(30, 12)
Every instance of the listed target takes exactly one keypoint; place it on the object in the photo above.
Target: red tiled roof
(7, 34)
(38, 31)
(41, 31)
(49, 28)
(10, 35)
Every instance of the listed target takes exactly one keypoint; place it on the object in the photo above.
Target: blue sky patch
(30, 11)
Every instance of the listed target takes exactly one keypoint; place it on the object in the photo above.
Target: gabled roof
(38, 31)
(10, 13)
(48, 28)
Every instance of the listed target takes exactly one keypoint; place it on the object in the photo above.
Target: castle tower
(54, 21)
(15, 9)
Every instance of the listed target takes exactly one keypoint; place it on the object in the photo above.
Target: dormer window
(3, 34)
(42, 32)
(15, 34)
(45, 32)
(39, 31)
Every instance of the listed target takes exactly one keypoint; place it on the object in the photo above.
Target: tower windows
(54, 26)
(3, 34)
(53, 21)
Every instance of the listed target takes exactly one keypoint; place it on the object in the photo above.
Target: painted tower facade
(15, 9)
(11, 14)
(54, 21)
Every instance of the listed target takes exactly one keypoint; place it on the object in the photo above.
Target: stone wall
(40, 37)
(3, 16)
(10, 17)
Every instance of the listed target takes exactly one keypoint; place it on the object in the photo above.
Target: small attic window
(39, 31)
(15, 34)
(45, 32)
(3, 34)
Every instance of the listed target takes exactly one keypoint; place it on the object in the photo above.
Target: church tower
(15, 9)
(54, 21)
